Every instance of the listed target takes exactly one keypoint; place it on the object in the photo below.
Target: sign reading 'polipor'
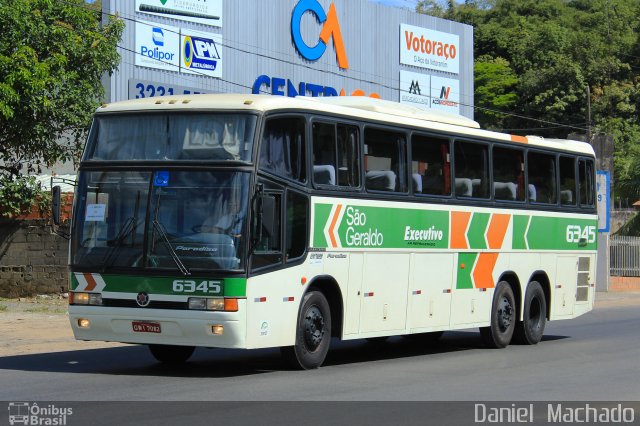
(430, 49)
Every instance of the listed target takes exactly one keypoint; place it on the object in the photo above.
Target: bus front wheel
(503, 318)
(313, 333)
(170, 354)
(529, 331)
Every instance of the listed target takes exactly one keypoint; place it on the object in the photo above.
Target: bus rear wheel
(170, 354)
(503, 318)
(313, 333)
(529, 331)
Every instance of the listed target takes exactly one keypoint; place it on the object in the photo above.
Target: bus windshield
(181, 136)
(184, 220)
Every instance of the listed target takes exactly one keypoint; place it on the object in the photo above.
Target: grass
(3, 308)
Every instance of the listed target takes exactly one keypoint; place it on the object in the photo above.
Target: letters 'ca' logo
(330, 28)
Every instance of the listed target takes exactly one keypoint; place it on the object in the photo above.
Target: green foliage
(17, 196)
(52, 57)
(537, 58)
(631, 228)
(495, 84)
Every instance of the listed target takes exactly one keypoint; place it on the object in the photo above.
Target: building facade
(291, 48)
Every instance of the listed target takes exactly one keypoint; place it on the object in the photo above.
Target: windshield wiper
(125, 230)
(157, 226)
(128, 227)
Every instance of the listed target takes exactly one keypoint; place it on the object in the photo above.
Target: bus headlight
(197, 303)
(85, 299)
(213, 304)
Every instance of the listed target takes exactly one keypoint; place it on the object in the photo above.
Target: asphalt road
(594, 357)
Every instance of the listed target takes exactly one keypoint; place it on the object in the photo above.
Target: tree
(52, 57)
(495, 84)
(536, 58)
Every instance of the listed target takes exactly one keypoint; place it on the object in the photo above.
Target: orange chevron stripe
(497, 230)
(483, 271)
(91, 283)
(334, 243)
(459, 224)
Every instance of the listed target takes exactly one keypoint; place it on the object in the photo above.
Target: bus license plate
(145, 327)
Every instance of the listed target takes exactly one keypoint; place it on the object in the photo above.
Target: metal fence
(625, 256)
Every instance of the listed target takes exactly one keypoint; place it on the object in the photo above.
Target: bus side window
(297, 212)
(568, 181)
(335, 155)
(382, 158)
(348, 156)
(266, 240)
(508, 174)
(282, 149)
(471, 163)
(542, 177)
(587, 198)
(430, 171)
(324, 154)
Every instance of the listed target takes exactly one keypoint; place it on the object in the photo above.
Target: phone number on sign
(151, 90)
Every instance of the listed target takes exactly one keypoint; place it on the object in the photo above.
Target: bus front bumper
(160, 326)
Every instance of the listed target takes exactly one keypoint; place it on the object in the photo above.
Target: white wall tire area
(313, 333)
(170, 354)
(530, 330)
(503, 318)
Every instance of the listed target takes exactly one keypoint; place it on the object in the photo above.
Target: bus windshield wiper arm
(160, 230)
(127, 227)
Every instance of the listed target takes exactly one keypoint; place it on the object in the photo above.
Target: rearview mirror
(55, 205)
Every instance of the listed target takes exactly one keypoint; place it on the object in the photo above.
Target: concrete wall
(32, 259)
(619, 218)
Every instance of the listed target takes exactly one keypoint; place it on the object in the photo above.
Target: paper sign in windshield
(95, 213)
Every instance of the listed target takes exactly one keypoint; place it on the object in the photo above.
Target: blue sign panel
(603, 182)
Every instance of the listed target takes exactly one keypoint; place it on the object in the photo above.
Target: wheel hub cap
(313, 328)
(505, 314)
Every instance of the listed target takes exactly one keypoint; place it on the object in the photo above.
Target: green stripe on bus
(381, 227)
(465, 268)
(184, 286)
(321, 217)
(73, 282)
(477, 229)
(365, 227)
(235, 287)
(555, 233)
(520, 223)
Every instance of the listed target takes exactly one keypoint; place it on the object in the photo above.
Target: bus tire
(313, 333)
(503, 318)
(529, 331)
(170, 354)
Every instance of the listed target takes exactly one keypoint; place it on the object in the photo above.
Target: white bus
(241, 221)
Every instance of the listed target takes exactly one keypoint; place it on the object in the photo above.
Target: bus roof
(357, 107)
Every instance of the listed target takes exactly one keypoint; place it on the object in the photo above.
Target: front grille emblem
(142, 299)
